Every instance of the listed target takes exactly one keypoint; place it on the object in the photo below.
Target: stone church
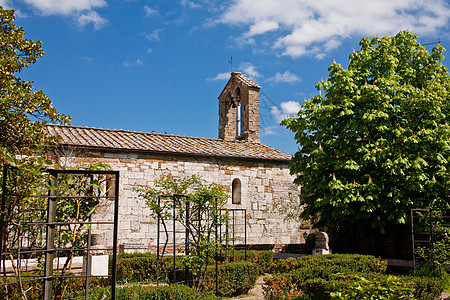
(256, 175)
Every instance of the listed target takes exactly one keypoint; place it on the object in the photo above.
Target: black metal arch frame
(48, 228)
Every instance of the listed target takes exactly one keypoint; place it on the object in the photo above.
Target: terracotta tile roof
(163, 143)
(246, 80)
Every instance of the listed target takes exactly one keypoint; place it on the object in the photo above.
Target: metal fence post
(115, 234)
(2, 212)
(186, 242)
(50, 243)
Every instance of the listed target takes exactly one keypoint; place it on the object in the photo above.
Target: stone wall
(263, 183)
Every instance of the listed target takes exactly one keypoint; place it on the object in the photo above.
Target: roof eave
(105, 149)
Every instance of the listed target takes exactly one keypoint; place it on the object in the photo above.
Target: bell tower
(239, 109)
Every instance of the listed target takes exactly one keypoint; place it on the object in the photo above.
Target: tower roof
(241, 78)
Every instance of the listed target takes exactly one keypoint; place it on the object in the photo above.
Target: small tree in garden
(198, 208)
(25, 148)
(376, 142)
(23, 115)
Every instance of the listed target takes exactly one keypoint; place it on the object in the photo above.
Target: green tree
(197, 207)
(23, 111)
(375, 141)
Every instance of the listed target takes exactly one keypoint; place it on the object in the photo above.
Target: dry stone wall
(263, 183)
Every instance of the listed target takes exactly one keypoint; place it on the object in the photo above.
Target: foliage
(330, 264)
(322, 279)
(377, 288)
(425, 288)
(236, 278)
(197, 207)
(263, 258)
(24, 158)
(75, 287)
(23, 112)
(142, 268)
(276, 289)
(436, 255)
(377, 143)
(173, 292)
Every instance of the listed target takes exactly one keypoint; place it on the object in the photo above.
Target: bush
(237, 278)
(278, 288)
(426, 288)
(364, 275)
(377, 287)
(354, 285)
(333, 263)
(136, 269)
(141, 267)
(74, 287)
(173, 292)
(263, 258)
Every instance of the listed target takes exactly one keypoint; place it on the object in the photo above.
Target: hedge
(173, 292)
(316, 276)
(34, 289)
(333, 262)
(141, 267)
(263, 258)
(237, 278)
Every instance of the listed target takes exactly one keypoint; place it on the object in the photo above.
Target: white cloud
(220, 76)
(262, 27)
(135, 63)
(81, 10)
(316, 27)
(245, 68)
(6, 4)
(84, 58)
(65, 7)
(149, 11)
(286, 77)
(190, 4)
(154, 35)
(270, 130)
(91, 17)
(249, 69)
(286, 110)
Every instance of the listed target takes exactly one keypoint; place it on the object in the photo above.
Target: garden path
(256, 293)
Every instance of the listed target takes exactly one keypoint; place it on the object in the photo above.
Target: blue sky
(160, 65)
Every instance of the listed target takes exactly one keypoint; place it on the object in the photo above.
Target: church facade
(256, 175)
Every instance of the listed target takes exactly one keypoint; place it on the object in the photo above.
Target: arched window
(236, 191)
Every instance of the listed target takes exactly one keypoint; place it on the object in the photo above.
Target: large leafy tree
(23, 110)
(375, 142)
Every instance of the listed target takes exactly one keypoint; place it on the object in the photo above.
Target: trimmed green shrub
(136, 269)
(173, 292)
(377, 287)
(426, 288)
(333, 263)
(278, 288)
(141, 267)
(263, 258)
(237, 278)
(364, 275)
(354, 285)
(74, 287)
